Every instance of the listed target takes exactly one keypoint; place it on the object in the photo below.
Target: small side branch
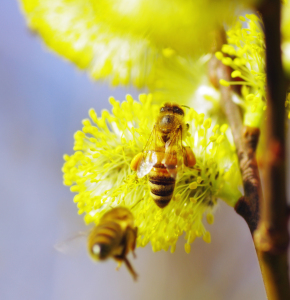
(246, 140)
(251, 179)
(271, 237)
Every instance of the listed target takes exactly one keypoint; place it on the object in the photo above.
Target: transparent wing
(149, 158)
(70, 245)
(173, 158)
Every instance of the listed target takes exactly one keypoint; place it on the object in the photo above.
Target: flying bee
(114, 237)
(164, 155)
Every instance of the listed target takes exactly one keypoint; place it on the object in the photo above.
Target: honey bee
(114, 237)
(164, 155)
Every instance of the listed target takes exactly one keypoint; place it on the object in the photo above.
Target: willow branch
(246, 140)
(272, 238)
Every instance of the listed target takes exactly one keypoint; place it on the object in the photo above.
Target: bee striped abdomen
(161, 185)
(108, 231)
(107, 236)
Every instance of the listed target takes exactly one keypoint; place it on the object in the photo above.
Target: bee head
(174, 108)
(100, 251)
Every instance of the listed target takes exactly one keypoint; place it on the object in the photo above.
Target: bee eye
(187, 126)
(178, 110)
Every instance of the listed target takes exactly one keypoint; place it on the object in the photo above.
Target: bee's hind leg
(119, 265)
(130, 268)
(136, 160)
(189, 157)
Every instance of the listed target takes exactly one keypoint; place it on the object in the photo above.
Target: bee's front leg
(135, 161)
(189, 157)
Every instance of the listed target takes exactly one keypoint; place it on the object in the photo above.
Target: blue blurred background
(42, 102)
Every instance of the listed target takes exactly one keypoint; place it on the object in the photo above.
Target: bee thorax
(166, 123)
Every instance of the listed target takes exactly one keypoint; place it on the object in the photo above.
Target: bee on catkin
(164, 155)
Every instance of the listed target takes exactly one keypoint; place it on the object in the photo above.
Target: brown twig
(272, 238)
(249, 205)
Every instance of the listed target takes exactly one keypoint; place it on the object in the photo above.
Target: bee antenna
(136, 204)
(185, 106)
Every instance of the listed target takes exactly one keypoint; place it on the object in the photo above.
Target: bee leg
(135, 161)
(189, 157)
(135, 231)
(119, 265)
(130, 268)
(135, 238)
(122, 258)
(131, 237)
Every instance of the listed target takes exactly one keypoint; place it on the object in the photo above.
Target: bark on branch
(271, 238)
(246, 140)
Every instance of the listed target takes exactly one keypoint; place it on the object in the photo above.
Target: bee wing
(149, 158)
(173, 158)
(69, 245)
